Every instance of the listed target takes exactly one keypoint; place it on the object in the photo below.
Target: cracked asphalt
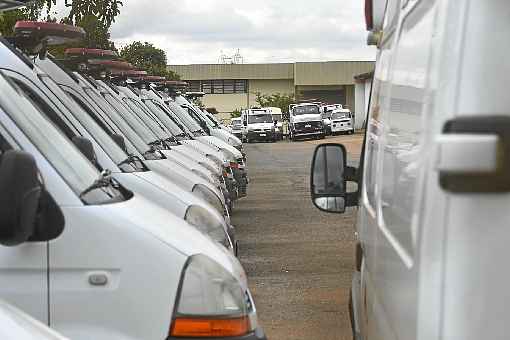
(299, 260)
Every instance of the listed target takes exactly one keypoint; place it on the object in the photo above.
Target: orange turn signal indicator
(209, 328)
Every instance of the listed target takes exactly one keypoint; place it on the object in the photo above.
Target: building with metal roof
(233, 86)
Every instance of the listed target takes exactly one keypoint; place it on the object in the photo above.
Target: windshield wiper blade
(103, 181)
(131, 159)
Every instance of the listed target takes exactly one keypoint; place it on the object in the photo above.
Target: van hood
(306, 118)
(190, 164)
(172, 190)
(183, 177)
(139, 212)
(188, 152)
(207, 149)
(226, 137)
(236, 154)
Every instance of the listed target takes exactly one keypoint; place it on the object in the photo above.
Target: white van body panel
(225, 147)
(434, 261)
(16, 325)
(207, 149)
(186, 180)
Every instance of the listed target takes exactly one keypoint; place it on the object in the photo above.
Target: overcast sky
(196, 31)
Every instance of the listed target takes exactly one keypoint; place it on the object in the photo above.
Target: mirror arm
(351, 174)
(351, 199)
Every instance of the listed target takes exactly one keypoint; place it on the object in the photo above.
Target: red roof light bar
(91, 53)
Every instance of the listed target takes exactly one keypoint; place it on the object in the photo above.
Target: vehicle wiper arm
(104, 180)
(131, 159)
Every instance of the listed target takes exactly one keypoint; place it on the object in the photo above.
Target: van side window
(404, 121)
(379, 100)
(45, 108)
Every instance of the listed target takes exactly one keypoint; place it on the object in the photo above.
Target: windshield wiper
(132, 159)
(104, 180)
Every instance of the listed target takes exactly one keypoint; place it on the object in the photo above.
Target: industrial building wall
(270, 86)
(226, 103)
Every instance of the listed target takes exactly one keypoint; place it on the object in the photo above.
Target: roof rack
(91, 53)
(33, 37)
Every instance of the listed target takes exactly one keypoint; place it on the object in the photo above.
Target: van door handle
(474, 155)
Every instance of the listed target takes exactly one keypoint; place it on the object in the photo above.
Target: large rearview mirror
(329, 176)
(27, 210)
(328, 184)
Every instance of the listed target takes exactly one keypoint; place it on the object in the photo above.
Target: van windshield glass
(306, 110)
(277, 117)
(340, 115)
(265, 118)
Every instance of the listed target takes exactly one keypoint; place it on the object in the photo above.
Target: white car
(432, 226)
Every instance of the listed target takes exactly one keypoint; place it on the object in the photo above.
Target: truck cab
(259, 125)
(306, 121)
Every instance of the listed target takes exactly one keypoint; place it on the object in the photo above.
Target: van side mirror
(27, 210)
(245, 123)
(86, 148)
(119, 140)
(329, 176)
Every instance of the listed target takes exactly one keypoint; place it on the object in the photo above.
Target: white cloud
(195, 31)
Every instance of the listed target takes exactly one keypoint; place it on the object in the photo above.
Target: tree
(148, 57)
(235, 114)
(33, 11)
(95, 16)
(104, 10)
(279, 100)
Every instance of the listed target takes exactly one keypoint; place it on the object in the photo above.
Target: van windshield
(277, 117)
(306, 110)
(340, 115)
(264, 118)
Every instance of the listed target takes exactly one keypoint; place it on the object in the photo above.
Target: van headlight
(211, 302)
(209, 196)
(208, 224)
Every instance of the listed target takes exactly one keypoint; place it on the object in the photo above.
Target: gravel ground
(299, 260)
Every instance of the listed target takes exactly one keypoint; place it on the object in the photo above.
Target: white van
(434, 199)
(258, 125)
(342, 120)
(16, 325)
(306, 122)
(123, 268)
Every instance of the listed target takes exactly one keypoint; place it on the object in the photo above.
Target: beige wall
(271, 86)
(330, 73)
(226, 102)
(234, 71)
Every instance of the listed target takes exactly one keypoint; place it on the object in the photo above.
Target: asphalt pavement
(299, 260)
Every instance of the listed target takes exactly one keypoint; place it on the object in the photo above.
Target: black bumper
(257, 335)
(256, 135)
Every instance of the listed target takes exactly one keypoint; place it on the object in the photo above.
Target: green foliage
(148, 57)
(95, 16)
(279, 100)
(235, 114)
(31, 12)
(105, 11)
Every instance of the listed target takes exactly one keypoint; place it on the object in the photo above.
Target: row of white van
(116, 198)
